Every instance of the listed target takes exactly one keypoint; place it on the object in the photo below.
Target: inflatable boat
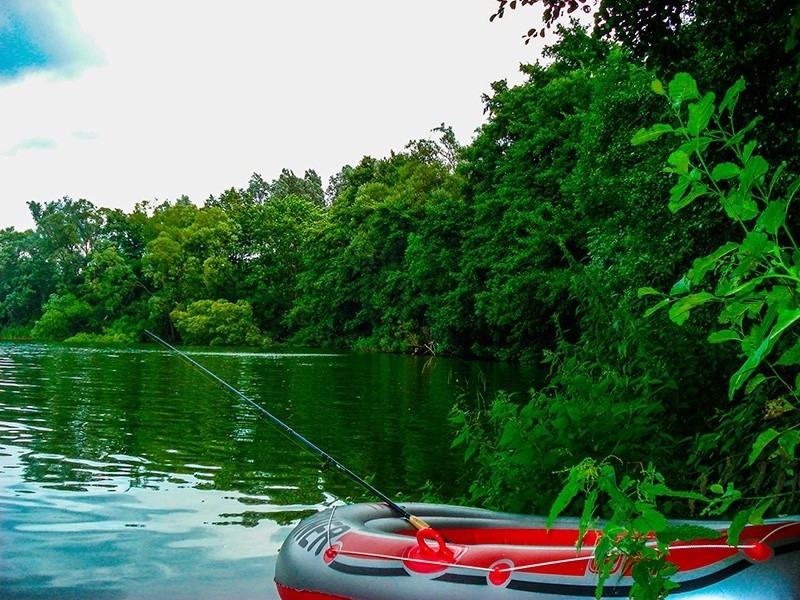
(366, 552)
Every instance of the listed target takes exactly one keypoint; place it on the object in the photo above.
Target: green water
(126, 473)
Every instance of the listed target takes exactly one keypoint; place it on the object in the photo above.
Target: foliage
(356, 286)
(103, 338)
(26, 281)
(15, 333)
(217, 323)
(530, 242)
(751, 280)
(520, 448)
(63, 316)
(636, 538)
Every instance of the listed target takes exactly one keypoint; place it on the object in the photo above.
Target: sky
(123, 101)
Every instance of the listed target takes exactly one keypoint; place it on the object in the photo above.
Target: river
(127, 473)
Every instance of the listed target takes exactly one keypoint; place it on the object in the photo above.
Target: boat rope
(541, 564)
(440, 563)
(777, 529)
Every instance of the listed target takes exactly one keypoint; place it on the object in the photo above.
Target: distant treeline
(544, 226)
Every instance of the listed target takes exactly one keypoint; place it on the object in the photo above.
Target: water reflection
(125, 473)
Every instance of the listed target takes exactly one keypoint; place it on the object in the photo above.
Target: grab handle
(442, 551)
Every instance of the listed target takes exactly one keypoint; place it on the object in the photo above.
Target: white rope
(460, 566)
(784, 526)
(532, 566)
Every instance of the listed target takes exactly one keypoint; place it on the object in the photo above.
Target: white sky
(192, 96)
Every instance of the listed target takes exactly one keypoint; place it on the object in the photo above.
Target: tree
(217, 323)
(716, 41)
(26, 279)
(66, 231)
(308, 187)
(525, 236)
(356, 288)
(63, 316)
(190, 259)
(276, 255)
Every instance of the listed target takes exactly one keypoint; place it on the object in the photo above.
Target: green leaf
(750, 365)
(754, 168)
(587, 514)
(565, 496)
(695, 144)
(786, 319)
(739, 205)
(697, 190)
(682, 286)
(682, 88)
(655, 308)
(726, 335)
(687, 533)
(754, 245)
(773, 216)
(469, 452)
(737, 138)
(679, 189)
(751, 125)
(700, 114)
(748, 150)
(460, 439)
(647, 291)
(731, 96)
(738, 523)
(764, 438)
(726, 170)
(754, 383)
(716, 488)
(651, 490)
(658, 87)
(788, 441)
(679, 312)
(703, 265)
(793, 188)
(791, 356)
(650, 520)
(647, 135)
(680, 160)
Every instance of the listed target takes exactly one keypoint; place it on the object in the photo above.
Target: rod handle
(417, 522)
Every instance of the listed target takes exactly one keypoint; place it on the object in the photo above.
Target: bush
(218, 323)
(63, 316)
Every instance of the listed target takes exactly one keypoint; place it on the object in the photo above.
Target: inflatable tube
(366, 552)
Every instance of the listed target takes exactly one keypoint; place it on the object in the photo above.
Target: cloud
(36, 143)
(84, 135)
(194, 96)
(43, 36)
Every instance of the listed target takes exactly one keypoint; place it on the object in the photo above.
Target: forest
(626, 216)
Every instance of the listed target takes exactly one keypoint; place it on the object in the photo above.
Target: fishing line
(416, 522)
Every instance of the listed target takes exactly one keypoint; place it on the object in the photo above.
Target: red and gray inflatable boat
(366, 552)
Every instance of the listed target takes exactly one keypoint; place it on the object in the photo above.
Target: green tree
(308, 187)
(26, 279)
(717, 41)
(190, 259)
(63, 316)
(217, 323)
(355, 289)
(66, 231)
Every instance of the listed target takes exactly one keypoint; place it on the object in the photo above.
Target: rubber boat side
(365, 552)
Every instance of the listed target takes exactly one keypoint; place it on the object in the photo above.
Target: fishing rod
(416, 522)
